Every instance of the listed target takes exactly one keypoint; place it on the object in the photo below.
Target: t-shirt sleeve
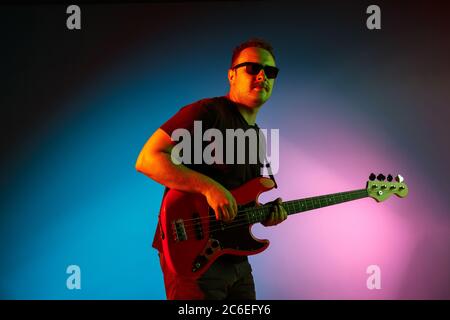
(186, 116)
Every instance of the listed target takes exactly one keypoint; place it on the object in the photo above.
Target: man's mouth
(260, 87)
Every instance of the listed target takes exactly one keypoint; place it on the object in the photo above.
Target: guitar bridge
(179, 230)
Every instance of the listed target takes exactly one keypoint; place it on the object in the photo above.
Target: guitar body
(194, 239)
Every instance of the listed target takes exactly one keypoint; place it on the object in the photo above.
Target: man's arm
(155, 161)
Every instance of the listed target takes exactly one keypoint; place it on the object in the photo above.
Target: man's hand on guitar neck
(278, 214)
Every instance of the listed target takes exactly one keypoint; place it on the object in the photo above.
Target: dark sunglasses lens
(253, 68)
(271, 72)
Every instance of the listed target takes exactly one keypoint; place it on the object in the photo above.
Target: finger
(282, 213)
(231, 212)
(235, 206)
(275, 214)
(218, 213)
(281, 210)
(232, 208)
(225, 213)
(280, 216)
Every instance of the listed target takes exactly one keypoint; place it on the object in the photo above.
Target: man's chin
(256, 102)
(259, 97)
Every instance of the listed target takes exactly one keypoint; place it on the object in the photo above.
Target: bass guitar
(192, 237)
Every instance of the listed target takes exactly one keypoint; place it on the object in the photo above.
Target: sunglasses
(254, 68)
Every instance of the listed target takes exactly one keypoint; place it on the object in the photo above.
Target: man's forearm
(160, 168)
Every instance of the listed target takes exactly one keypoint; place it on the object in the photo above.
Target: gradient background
(77, 107)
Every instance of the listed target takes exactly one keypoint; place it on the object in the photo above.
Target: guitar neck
(261, 213)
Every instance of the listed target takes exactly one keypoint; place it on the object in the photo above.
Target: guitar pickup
(179, 230)
(198, 226)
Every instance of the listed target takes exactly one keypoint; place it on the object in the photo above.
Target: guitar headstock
(380, 189)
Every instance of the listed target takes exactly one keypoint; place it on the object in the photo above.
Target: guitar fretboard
(261, 213)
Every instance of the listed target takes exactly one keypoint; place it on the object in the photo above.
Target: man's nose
(261, 75)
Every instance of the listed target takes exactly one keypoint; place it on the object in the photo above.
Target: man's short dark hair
(254, 42)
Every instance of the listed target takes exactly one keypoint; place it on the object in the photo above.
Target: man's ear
(231, 75)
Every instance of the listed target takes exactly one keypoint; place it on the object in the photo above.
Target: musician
(251, 77)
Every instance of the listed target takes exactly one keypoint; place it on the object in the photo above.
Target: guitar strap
(266, 161)
(269, 170)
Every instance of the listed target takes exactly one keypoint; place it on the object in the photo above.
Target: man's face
(251, 90)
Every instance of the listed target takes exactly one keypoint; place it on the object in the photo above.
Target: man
(251, 76)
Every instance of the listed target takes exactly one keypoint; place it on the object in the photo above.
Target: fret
(336, 199)
(291, 207)
(296, 206)
(262, 215)
(250, 217)
(258, 215)
(319, 200)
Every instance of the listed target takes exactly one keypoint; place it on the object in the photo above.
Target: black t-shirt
(222, 114)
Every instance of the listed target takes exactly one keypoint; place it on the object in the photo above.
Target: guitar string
(188, 226)
(224, 226)
(235, 225)
(243, 220)
(356, 194)
(290, 202)
(240, 211)
(264, 207)
(213, 229)
(242, 223)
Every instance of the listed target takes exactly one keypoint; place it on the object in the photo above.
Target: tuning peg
(399, 178)
(372, 176)
(389, 178)
(381, 177)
